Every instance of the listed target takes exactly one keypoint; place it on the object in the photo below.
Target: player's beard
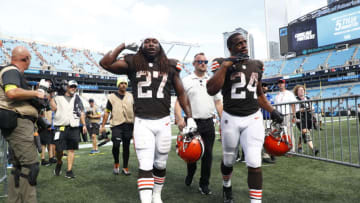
(150, 58)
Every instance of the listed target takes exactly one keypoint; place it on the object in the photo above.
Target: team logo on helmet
(277, 141)
(190, 147)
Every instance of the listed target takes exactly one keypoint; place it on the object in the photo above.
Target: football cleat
(190, 147)
(277, 142)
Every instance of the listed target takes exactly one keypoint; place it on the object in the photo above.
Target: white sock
(255, 195)
(145, 186)
(227, 180)
(145, 196)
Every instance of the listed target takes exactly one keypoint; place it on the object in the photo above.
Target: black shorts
(45, 137)
(94, 128)
(305, 123)
(67, 138)
(122, 132)
(52, 133)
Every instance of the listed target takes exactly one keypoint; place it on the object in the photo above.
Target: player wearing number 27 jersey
(152, 76)
(239, 79)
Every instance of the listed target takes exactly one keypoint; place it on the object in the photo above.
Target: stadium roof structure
(334, 7)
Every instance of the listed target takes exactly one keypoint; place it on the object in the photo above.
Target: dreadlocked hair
(141, 64)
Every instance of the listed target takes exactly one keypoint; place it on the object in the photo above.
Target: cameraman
(94, 115)
(17, 118)
(120, 104)
(69, 112)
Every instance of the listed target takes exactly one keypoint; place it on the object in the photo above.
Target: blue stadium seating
(272, 68)
(340, 57)
(357, 55)
(313, 93)
(54, 57)
(291, 65)
(2, 57)
(9, 45)
(313, 61)
(355, 90)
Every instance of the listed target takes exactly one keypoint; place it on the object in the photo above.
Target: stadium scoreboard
(321, 33)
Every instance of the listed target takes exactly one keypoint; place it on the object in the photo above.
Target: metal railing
(331, 126)
(3, 166)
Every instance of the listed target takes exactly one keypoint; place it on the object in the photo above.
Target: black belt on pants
(203, 120)
(32, 118)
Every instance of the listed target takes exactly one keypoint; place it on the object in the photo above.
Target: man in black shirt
(239, 78)
(14, 102)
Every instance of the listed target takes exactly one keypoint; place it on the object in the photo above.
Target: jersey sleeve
(11, 77)
(260, 65)
(175, 64)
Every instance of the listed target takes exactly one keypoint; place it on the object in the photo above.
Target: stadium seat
(313, 61)
(272, 68)
(338, 58)
(291, 65)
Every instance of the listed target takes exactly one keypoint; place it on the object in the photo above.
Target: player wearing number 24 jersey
(152, 76)
(239, 79)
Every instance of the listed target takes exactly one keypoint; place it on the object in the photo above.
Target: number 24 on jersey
(251, 86)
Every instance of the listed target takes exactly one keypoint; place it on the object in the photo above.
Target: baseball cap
(120, 80)
(281, 81)
(91, 100)
(72, 82)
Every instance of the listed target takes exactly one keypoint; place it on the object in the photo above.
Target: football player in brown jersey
(239, 79)
(152, 76)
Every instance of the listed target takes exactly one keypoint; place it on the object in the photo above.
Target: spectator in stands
(304, 118)
(18, 116)
(120, 105)
(94, 115)
(203, 108)
(282, 98)
(69, 112)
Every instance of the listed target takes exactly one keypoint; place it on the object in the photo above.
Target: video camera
(58, 85)
(38, 103)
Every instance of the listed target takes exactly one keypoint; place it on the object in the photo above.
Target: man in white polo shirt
(203, 108)
(286, 96)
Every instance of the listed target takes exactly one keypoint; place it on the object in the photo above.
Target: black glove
(276, 116)
(238, 58)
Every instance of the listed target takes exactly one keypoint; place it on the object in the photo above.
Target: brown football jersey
(240, 87)
(152, 89)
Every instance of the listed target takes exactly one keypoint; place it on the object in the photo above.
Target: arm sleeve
(218, 96)
(108, 106)
(81, 106)
(11, 77)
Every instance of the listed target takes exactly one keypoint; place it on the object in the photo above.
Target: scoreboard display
(312, 34)
(339, 27)
(302, 36)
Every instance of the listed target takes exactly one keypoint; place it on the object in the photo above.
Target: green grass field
(292, 179)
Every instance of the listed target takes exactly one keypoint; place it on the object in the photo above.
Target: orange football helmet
(277, 142)
(190, 147)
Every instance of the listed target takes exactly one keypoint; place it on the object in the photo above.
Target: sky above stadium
(102, 25)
